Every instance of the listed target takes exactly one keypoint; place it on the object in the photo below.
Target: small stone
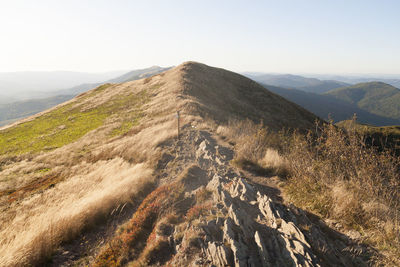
(353, 234)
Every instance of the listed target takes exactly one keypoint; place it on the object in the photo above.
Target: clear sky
(298, 36)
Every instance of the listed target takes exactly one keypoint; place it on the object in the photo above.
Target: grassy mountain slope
(238, 97)
(11, 112)
(327, 106)
(58, 162)
(375, 97)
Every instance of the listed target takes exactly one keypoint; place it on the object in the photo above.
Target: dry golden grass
(274, 161)
(256, 148)
(60, 213)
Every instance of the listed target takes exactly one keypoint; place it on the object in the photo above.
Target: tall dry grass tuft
(42, 222)
(256, 147)
(275, 161)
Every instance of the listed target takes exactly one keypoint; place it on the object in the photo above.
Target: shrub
(337, 175)
(202, 195)
(197, 211)
(331, 172)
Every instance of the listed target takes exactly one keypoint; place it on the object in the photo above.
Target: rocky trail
(246, 227)
(246, 222)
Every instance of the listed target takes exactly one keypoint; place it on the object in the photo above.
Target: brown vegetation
(256, 147)
(338, 176)
(332, 173)
(130, 242)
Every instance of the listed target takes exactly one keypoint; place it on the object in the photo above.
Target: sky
(298, 36)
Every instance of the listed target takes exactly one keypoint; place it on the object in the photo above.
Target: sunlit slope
(68, 122)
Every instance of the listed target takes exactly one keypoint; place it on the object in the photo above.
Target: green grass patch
(69, 123)
(123, 129)
(44, 170)
(130, 116)
(95, 91)
(50, 131)
(102, 87)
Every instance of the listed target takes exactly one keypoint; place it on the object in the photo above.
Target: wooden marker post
(177, 116)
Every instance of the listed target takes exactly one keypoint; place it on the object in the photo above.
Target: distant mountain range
(330, 107)
(128, 76)
(375, 97)
(312, 85)
(374, 102)
(12, 110)
(38, 84)
(319, 83)
(352, 79)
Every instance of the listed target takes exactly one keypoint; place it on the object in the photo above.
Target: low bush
(131, 239)
(198, 210)
(202, 195)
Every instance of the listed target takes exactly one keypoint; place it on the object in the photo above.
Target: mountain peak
(224, 95)
(191, 63)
